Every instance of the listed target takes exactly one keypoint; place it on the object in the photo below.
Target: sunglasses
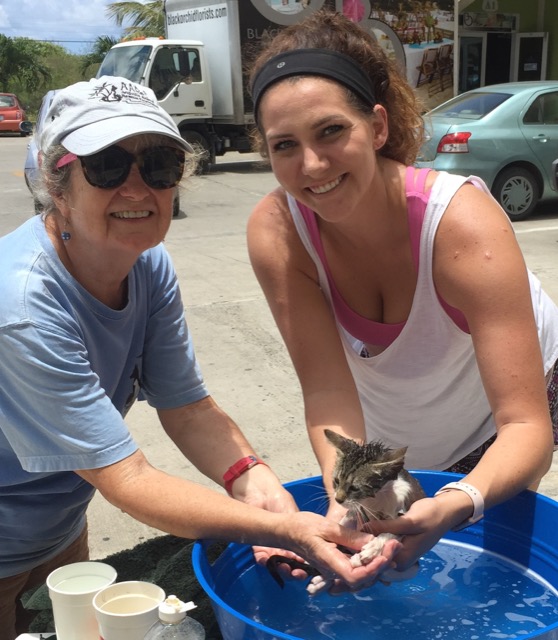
(160, 167)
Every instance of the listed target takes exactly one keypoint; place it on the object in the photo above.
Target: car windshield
(7, 101)
(472, 106)
(127, 62)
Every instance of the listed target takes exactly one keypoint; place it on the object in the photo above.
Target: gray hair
(50, 181)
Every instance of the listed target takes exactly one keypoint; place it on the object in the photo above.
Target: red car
(12, 115)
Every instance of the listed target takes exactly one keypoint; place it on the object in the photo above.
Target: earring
(65, 235)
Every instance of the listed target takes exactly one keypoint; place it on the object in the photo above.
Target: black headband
(316, 62)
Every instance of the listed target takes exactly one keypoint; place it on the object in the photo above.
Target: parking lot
(241, 353)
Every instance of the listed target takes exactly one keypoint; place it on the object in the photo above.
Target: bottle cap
(173, 610)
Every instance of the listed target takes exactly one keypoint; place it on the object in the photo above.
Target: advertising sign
(419, 34)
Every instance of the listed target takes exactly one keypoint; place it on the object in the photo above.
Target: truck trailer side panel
(216, 25)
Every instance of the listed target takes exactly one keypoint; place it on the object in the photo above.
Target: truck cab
(198, 71)
(174, 69)
(177, 72)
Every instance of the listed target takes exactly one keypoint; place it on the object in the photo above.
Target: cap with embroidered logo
(87, 117)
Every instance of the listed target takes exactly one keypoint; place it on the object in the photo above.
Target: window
(544, 109)
(471, 105)
(127, 62)
(7, 101)
(173, 65)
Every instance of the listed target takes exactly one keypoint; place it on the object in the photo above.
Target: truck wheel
(201, 147)
(517, 191)
(176, 206)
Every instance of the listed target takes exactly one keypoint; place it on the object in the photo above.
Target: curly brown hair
(326, 29)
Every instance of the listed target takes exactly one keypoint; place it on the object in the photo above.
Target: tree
(100, 48)
(21, 62)
(147, 19)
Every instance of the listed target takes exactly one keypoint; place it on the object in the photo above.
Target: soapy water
(460, 593)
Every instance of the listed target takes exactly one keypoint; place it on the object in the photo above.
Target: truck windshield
(127, 62)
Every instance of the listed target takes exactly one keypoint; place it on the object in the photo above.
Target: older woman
(91, 317)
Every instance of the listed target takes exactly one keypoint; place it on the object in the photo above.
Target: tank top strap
(417, 199)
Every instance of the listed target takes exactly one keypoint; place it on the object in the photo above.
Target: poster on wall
(286, 12)
(419, 34)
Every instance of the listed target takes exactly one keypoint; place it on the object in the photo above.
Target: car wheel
(201, 147)
(517, 191)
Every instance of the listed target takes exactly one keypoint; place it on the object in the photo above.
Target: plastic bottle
(174, 624)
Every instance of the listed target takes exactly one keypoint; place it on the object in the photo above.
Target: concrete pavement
(241, 353)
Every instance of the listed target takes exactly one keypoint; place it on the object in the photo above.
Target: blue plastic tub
(522, 533)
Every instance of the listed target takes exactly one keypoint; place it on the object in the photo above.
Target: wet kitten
(371, 482)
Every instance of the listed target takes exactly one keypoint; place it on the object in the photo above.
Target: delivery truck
(198, 72)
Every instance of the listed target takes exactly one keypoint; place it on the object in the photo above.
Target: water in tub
(460, 593)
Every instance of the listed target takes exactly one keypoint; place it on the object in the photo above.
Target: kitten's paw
(317, 584)
(371, 549)
(356, 560)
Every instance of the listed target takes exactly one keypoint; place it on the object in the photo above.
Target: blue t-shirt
(70, 368)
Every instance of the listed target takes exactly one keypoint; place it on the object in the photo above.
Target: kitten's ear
(338, 441)
(398, 455)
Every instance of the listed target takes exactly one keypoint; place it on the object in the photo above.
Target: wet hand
(322, 551)
(291, 568)
(274, 497)
(260, 487)
(379, 569)
(421, 528)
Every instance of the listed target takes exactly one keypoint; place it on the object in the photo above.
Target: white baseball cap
(87, 117)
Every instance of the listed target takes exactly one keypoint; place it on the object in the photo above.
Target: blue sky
(71, 23)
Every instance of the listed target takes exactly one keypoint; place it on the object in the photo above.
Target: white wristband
(476, 498)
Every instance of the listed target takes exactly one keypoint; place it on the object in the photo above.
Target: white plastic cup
(127, 610)
(71, 589)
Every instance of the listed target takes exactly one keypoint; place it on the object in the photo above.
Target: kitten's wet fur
(370, 480)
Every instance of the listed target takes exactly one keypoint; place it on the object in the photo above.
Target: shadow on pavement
(546, 210)
(246, 166)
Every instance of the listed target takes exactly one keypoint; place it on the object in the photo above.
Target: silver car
(507, 134)
(31, 169)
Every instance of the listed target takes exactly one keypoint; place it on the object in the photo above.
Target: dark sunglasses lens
(107, 169)
(162, 167)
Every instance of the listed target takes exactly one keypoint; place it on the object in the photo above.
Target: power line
(68, 41)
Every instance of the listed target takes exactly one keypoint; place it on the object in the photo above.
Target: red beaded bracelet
(237, 469)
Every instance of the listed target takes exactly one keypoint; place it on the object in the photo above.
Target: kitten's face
(362, 470)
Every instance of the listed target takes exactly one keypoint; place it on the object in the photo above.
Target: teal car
(507, 134)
